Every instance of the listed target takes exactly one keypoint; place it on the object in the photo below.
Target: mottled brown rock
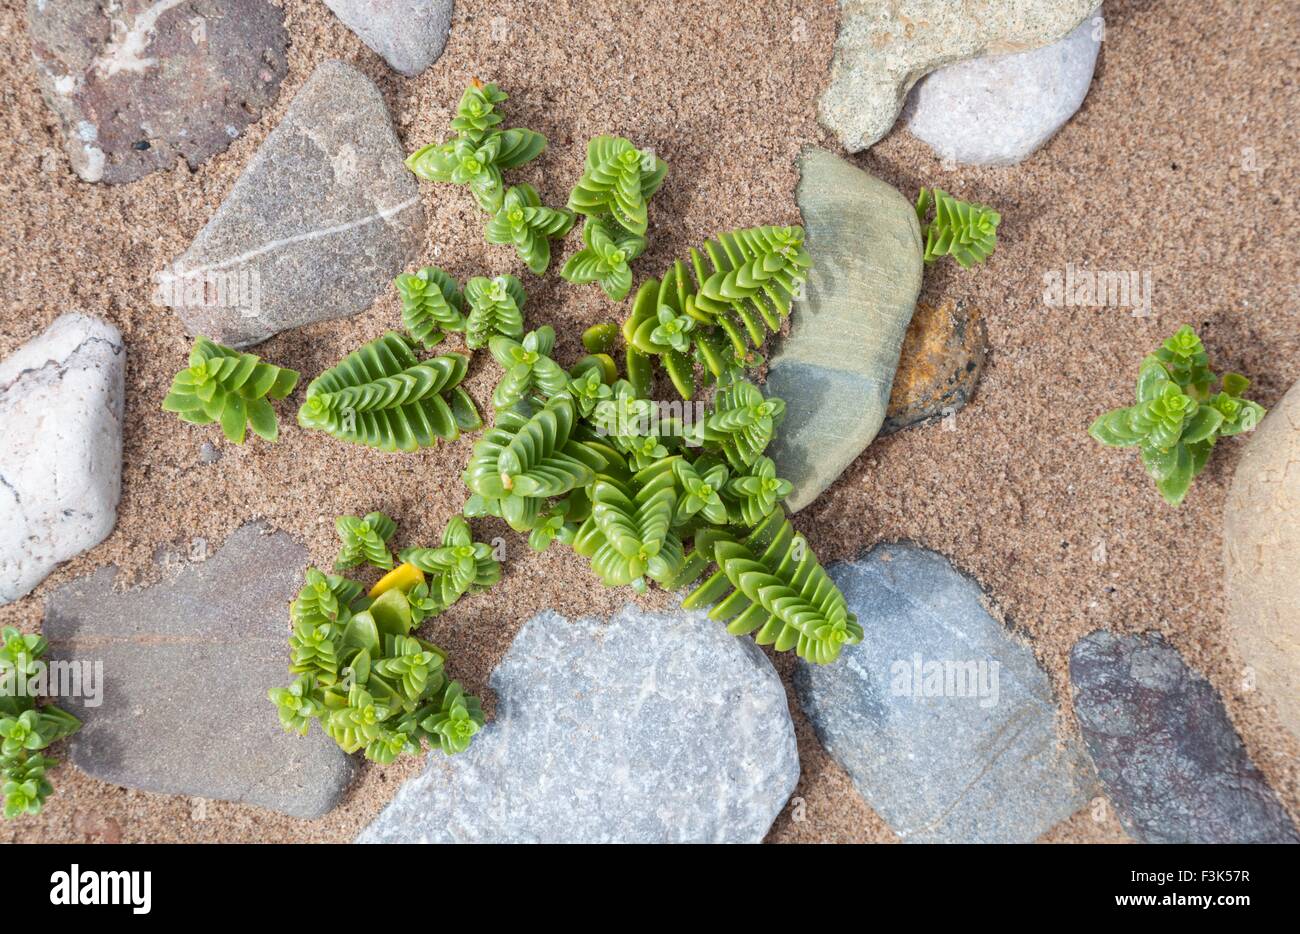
(1261, 555)
(941, 363)
(137, 84)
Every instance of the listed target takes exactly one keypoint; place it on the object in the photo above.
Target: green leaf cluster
(476, 156)
(967, 232)
(1178, 417)
(617, 183)
(717, 309)
(230, 387)
(383, 397)
(26, 728)
(599, 467)
(361, 672)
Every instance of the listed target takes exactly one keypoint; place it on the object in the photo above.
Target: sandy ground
(1181, 163)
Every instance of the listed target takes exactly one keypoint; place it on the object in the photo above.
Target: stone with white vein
(61, 463)
(323, 218)
(645, 728)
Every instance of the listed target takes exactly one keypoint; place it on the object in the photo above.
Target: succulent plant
(230, 387)
(605, 259)
(26, 728)
(381, 396)
(528, 367)
(618, 179)
(431, 305)
(495, 307)
(458, 566)
(365, 541)
(524, 223)
(967, 232)
(1177, 420)
(759, 491)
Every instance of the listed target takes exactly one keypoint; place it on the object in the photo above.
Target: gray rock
(61, 462)
(646, 728)
(1167, 754)
(317, 226)
(186, 667)
(836, 367)
(136, 85)
(408, 34)
(883, 49)
(1261, 558)
(943, 720)
(998, 110)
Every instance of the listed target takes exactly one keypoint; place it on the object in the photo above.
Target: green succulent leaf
(459, 566)
(431, 305)
(759, 491)
(618, 179)
(383, 397)
(495, 307)
(1177, 421)
(230, 387)
(606, 258)
(967, 232)
(524, 223)
(771, 584)
(529, 370)
(742, 423)
(365, 541)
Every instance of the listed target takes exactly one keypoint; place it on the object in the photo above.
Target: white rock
(408, 34)
(999, 110)
(61, 463)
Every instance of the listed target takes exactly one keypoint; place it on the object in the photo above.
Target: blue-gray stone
(836, 368)
(1165, 750)
(646, 728)
(943, 719)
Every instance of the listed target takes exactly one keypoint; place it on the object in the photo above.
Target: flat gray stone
(998, 110)
(647, 728)
(1261, 558)
(187, 664)
(138, 84)
(836, 368)
(408, 34)
(317, 226)
(968, 752)
(1167, 754)
(883, 49)
(61, 462)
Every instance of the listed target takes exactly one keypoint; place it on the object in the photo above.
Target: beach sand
(1181, 162)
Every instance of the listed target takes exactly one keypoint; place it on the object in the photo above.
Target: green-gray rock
(836, 367)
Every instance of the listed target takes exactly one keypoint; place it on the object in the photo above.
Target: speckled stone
(138, 84)
(1261, 556)
(836, 367)
(1167, 754)
(940, 365)
(883, 48)
(1001, 109)
(316, 227)
(981, 761)
(408, 34)
(186, 667)
(61, 397)
(646, 728)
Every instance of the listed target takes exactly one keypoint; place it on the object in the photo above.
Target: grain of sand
(1154, 173)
